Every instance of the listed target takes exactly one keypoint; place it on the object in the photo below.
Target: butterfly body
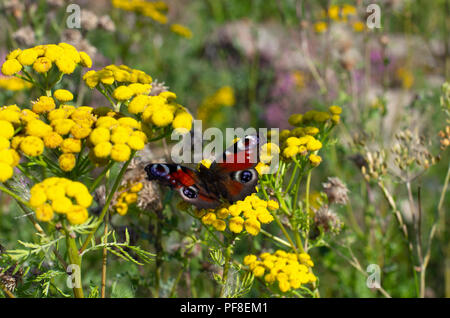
(229, 180)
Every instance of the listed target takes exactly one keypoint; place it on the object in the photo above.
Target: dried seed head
(444, 137)
(106, 23)
(149, 197)
(158, 88)
(327, 220)
(410, 155)
(89, 20)
(336, 191)
(24, 36)
(11, 277)
(376, 166)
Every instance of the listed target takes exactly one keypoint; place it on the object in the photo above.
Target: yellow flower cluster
(132, 87)
(154, 10)
(341, 13)
(115, 138)
(9, 158)
(344, 14)
(267, 151)
(301, 140)
(320, 27)
(41, 58)
(128, 195)
(181, 30)
(62, 196)
(161, 111)
(224, 97)
(245, 214)
(66, 129)
(14, 84)
(288, 269)
(120, 75)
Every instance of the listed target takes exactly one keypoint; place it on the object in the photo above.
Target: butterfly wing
(186, 181)
(232, 178)
(237, 168)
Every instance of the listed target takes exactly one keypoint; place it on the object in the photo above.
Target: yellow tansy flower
(183, 120)
(42, 65)
(99, 134)
(315, 159)
(27, 57)
(44, 213)
(6, 129)
(123, 93)
(320, 27)
(43, 104)
(77, 215)
(65, 64)
(52, 140)
(290, 151)
(85, 59)
(71, 145)
(103, 149)
(120, 152)
(335, 110)
(6, 171)
(236, 224)
(67, 161)
(181, 30)
(313, 145)
(63, 95)
(162, 117)
(252, 226)
(32, 146)
(11, 67)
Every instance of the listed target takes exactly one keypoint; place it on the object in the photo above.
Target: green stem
(226, 268)
(58, 79)
(297, 185)
(108, 201)
(15, 196)
(308, 212)
(75, 259)
(291, 180)
(275, 238)
(281, 226)
(177, 279)
(100, 177)
(286, 234)
(159, 253)
(26, 174)
(441, 211)
(103, 92)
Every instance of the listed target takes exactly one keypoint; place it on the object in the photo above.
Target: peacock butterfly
(230, 179)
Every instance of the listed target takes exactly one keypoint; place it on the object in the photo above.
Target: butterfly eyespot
(159, 170)
(244, 176)
(190, 192)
